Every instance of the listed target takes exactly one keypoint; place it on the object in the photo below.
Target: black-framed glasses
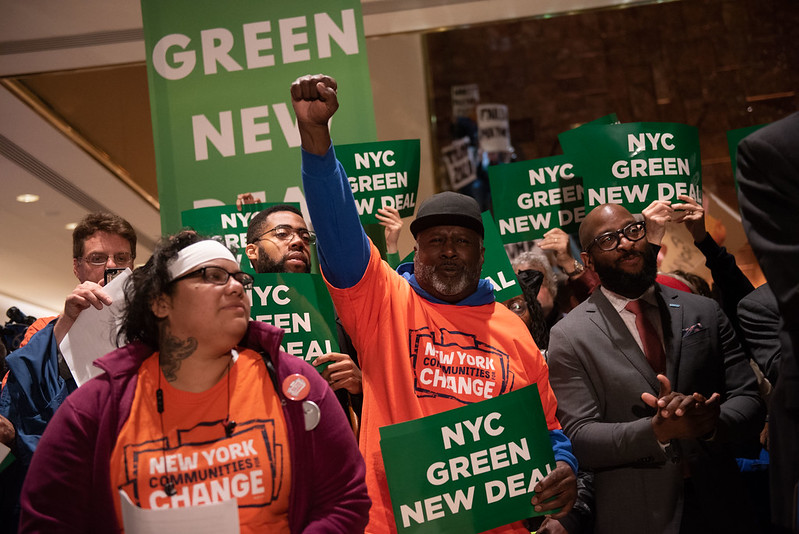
(218, 276)
(635, 231)
(98, 258)
(286, 232)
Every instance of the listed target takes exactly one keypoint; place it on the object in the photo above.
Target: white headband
(197, 254)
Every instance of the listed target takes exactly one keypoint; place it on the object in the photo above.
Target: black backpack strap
(270, 367)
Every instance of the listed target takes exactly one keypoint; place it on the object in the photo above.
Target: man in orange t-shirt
(430, 336)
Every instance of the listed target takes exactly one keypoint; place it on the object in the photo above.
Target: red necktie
(653, 349)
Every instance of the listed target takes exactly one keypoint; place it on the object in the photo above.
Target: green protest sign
(532, 197)
(496, 265)
(634, 164)
(382, 174)
(219, 75)
(300, 305)
(469, 469)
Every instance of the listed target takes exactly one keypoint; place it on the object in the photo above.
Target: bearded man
(278, 241)
(664, 461)
(398, 318)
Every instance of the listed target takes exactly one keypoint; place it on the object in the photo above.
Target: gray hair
(537, 260)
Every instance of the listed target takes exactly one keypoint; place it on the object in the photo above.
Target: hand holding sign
(558, 241)
(561, 487)
(342, 373)
(390, 218)
(694, 218)
(7, 432)
(245, 198)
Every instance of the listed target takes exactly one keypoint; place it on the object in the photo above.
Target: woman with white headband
(200, 408)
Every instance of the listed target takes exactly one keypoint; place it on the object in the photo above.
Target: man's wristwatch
(578, 269)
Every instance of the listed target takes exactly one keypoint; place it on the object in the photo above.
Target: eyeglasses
(218, 276)
(97, 258)
(285, 232)
(608, 241)
(518, 306)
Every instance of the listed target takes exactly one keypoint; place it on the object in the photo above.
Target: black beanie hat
(448, 209)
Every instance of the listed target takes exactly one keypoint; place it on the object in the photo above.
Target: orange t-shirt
(419, 358)
(253, 465)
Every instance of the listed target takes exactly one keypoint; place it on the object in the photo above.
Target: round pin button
(296, 387)
(312, 414)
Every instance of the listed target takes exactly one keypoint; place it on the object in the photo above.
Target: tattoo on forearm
(173, 351)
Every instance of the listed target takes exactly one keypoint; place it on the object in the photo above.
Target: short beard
(630, 285)
(449, 287)
(265, 264)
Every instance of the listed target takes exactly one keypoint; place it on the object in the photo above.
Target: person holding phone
(39, 379)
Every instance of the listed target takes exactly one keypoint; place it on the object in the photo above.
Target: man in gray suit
(663, 460)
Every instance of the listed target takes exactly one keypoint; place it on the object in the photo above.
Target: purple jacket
(68, 487)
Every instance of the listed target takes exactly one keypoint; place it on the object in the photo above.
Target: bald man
(654, 391)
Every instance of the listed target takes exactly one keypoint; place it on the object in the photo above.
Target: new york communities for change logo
(458, 366)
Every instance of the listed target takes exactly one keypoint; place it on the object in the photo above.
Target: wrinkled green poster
(634, 164)
(219, 75)
(469, 469)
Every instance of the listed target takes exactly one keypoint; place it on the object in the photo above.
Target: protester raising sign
(382, 174)
(532, 197)
(636, 163)
(469, 469)
(299, 304)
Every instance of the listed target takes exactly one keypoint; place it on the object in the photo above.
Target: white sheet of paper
(94, 333)
(216, 518)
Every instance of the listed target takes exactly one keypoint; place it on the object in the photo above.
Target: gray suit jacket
(598, 373)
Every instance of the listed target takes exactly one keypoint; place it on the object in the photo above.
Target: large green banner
(219, 75)
(299, 304)
(469, 469)
(634, 164)
(227, 224)
(532, 197)
(496, 264)
(382, 174)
